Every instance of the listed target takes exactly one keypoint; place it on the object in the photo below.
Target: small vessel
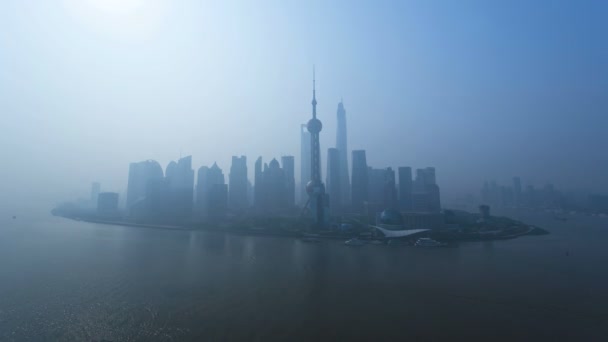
(354, 242)
(428, 242)
(14, 217)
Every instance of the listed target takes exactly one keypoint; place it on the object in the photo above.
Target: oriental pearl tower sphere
(318, 200)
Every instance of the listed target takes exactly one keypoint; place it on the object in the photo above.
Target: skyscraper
(180, 177)
(405, 188)
(315, 188)
(426, 196)
(210, 188)
(274, 186)
(95, 188)
(217, 197)
(237, 183)
(305, 166)
(287, 162)
(360, 180)
(517, 191)
(341, 145)
(258, 184)
(140, 175)
(333, 180)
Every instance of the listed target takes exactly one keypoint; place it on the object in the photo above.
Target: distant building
(212, 191)
(333, 180)
(140, 175)
(304, 162)
(382, 188)
(517, 191)
(272, 186)
(360, 181)
(95, 189)
(180, 178)
(237, 188)
(425, 195)
(288, 165)
(405, 188)
(107, 204)
(341, 145)
(258, 187)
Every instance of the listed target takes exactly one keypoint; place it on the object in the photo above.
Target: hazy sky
(478, 89)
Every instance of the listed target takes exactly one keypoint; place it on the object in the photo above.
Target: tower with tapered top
(317, 198)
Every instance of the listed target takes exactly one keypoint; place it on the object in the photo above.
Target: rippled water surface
(74, 281)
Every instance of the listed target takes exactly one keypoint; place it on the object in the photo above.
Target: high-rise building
(287, 162)
(95, 189)
(382, 188)
(140, 175)
(405, 188)
(376, 181)
(207, 192)
(237, 188)
(258, 187)
(273, 188)
(333, 180)
(180, 177)
(305, 166)
(341, 145)
(318, 202)
(517, 191)
(390, 189)
(426, 196)
(360, 181)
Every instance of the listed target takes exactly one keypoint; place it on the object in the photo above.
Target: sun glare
(116, 6)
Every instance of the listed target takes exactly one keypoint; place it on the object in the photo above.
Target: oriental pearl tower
(317, 198)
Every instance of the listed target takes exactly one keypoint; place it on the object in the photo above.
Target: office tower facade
(376, 180)
(341, 145)
(95, 189)
(382, 188)
(405, 188)
(333, 180)
(274, 188)
(180, 178)
(317, 203)
(140, 175)
(288, 165)
(237, 184)
(258, 187)
(202, 190)
(211, 187)
(517, 191)
(359, 189)
(390, 189)
(426, 196)
(305, 166)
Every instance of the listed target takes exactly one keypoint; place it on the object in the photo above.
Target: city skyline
(436, 84)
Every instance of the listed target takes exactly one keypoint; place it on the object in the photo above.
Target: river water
(62, 280)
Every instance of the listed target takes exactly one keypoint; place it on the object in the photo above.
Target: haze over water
(65, 280)
(477, 89)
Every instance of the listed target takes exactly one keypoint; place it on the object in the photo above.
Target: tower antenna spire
(314, 95)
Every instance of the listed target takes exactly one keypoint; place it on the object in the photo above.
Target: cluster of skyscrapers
(173, 194)
(515, 196)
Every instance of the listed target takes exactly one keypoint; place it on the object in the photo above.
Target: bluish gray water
(75, 281)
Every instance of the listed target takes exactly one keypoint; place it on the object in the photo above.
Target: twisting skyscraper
(315, 188)
(343, 155)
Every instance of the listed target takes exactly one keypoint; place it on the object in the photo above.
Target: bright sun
(116, 6)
